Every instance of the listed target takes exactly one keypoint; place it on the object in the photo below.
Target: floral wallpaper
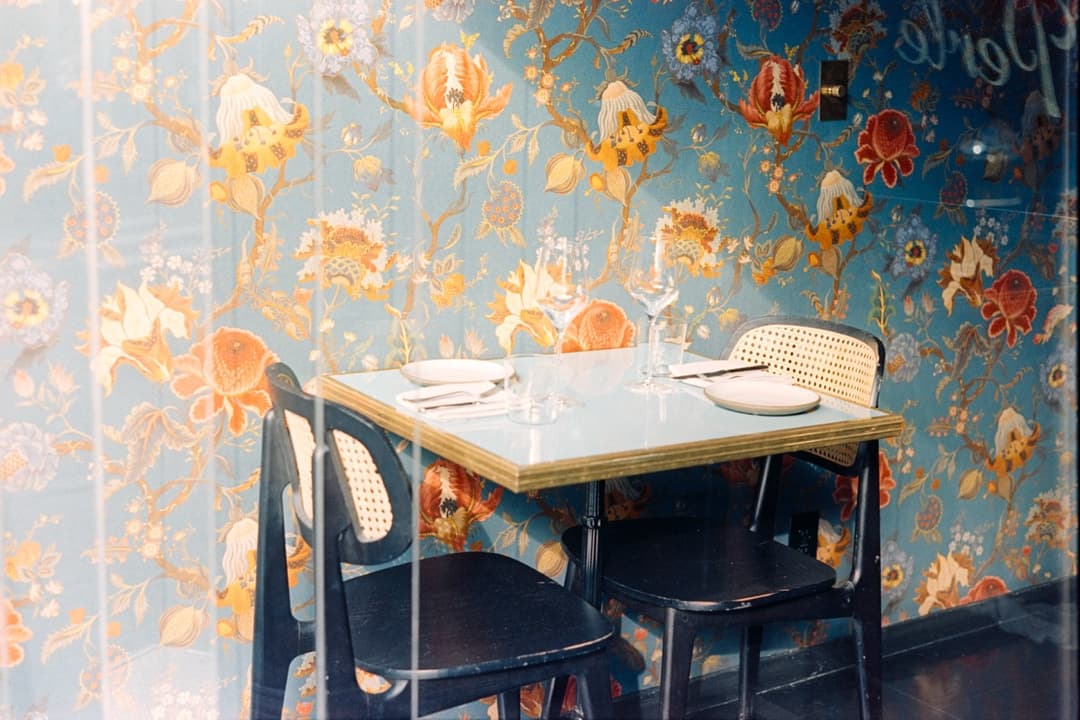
(192, 190)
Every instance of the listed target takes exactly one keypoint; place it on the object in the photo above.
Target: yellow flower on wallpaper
(238, 596)
(629, 131)
(132, 331)
(453, 94)
(346, 249)
(692, 232)
(254, 131)
(518, 308)
(1014, 442)
(227, 372)
(840, 212)
(18, 564)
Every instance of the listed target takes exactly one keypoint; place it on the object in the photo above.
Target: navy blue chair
(487, 624)
(696, 572)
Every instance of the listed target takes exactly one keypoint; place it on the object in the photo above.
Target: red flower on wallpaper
(846, 493)
(227, 370)
(1010, 305)
(776, 98)
(451, 502)
(988, 587)
(887, 145)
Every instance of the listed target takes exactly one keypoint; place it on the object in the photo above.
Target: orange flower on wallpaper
(254, 131)
(227, 372)
(12, 633)
(776, 99)
(692, 232)
(6, 166)
(846, 493)
(346, 249)
(599, 326)
(453, 94)
(629, 131)
(452, 501)
(133, 327)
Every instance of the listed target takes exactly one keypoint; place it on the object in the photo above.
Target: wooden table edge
(611, 465)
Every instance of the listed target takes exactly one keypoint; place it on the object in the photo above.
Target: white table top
(611, 433)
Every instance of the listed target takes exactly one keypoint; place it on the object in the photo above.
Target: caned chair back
(833, 359)
(375, 524)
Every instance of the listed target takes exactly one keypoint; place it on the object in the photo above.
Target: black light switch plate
(835, 75)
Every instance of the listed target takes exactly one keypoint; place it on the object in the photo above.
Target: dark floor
(1020, 662)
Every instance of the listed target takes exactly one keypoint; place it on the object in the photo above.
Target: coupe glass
(565, 289)
(651, 281)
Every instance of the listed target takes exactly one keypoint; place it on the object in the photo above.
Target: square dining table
(607, 431)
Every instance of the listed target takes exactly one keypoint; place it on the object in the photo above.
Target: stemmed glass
(651, 281)
(565, 289)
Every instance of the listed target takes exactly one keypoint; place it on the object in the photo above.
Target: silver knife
(718, 373)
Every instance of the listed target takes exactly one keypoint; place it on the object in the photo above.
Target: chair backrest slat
(363, 465)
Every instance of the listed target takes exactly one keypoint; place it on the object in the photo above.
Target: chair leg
(510, 705)
(749, 656)
(678, 649)
(268, 681)
(867, 636)
(594, 690)
(555, 690)
(554, 694)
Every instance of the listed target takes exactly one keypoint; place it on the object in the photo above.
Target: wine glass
(651, 281)
(562, 266)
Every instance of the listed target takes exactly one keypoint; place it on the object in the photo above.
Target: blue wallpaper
(193, 190)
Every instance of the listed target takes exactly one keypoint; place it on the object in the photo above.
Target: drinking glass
(563, 285)
(651, 281)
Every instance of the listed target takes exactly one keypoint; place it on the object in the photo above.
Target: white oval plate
(761, 397)
(441, 371)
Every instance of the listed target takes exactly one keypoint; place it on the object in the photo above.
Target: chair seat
(479, 612)
(692, 565)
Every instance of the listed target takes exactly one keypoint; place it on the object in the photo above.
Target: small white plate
(759, 397)
(441, 371)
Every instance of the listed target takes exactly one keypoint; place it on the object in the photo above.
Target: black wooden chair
(487, 624)
(696, 573)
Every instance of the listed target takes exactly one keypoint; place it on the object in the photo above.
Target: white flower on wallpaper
(454, 11)
(28, 460)
(32, 306)
(132, 331)
(336, 35)
(239, 94)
